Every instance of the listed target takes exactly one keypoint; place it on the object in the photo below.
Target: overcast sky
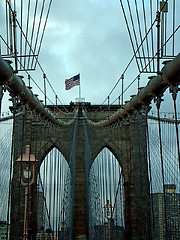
(87, 37)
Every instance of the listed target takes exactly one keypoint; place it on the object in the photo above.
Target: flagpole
(79, 91)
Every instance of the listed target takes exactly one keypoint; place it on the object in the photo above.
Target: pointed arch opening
(54, 196)
(106, 197)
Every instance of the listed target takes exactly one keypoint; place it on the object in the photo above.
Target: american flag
(71, 82)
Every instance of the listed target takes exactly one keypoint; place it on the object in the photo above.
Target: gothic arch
(113, 148)
(48, 147)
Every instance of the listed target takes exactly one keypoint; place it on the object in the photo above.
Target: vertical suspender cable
(165, 35)
(50, 182)
(122, 89)
(21, 20)
(44, 170)
(27, 29)
(173, 25)
(162, 32)
(158, 102)
(21, 168)
(109, 176)
(56, 192)
(158, 41)
(157, 5)
(113, 162)
(103, 183)
(99, 190)
(121, 197)
(28, 189)
(57, 196)
(62, 199)
(10, 178)
(152, 35)
(150, 174)
(105, 174)
(55, 189)
(61, 194)
(10, 27)
(15, 37)
(46, 207)
(51, 189)
(45, 97)
(7, 28)
(174, 90)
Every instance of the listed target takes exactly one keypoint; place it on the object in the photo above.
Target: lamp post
(108, 211)
(27, 177)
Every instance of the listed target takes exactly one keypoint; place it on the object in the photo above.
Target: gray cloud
(90, 38)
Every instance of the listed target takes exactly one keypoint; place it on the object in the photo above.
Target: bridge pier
(24, 186)
(136, 187)
(80, 228)
(133, 161)
(23, 209)
(137, 193)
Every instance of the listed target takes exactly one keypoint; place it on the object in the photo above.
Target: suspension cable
(174, 90)
(158, 102)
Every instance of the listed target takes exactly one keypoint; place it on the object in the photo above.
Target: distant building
(47, 235)
(101, 232)
(44, 236)
(3, 230)
(166, 227)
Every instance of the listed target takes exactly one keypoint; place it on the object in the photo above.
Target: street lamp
(27, 173)
(27, 176)
(108, 212)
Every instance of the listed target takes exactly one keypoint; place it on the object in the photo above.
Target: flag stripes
(72, 82)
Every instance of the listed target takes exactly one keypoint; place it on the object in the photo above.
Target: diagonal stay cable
(42, 9)
(129, 32)
(32, 33)
(34, 52)
(147, 64)
(145, 28)
(134, 31)
(27, 29)
(130, 62)
(43, 31)
(33, 79)
(139, 28)
(150, 29)
(20, 27)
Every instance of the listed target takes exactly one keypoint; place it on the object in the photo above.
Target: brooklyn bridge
(85, 170)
